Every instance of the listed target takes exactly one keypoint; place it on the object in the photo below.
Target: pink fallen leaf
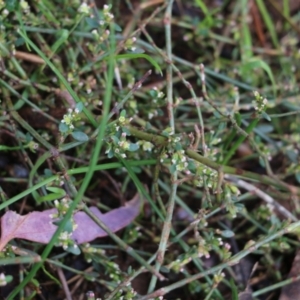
(292, 291)
(39, 227)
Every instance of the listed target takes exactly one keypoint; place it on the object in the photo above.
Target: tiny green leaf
(62, 35)
(49, 197)
(8, 278)
(172, 169)
(292, 155)
(137, 51)
(80, 136)
(262, 162)
(74, 250)
(19, 42)
(178, 147)
(297, 175)
(115, 139)
(227, 233)
(63, 127)
(28, 137)
(69, 226)
(266, 116)
(153, 93)
(56, 190)
(164, 269)
(123, 113)
(126, 130)
(145, 56)
(48, 172)
(110, 153)
(79, 106)
(11, 5)
(92, 22)
(117, 27)
(133, 147)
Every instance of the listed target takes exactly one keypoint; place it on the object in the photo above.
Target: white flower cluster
(25, 7)
(129, 44)
(146, 146)
(108, 17)
(70, 117)
(207, 176)
(180, 160)
(102, 37)
(65, 241)
(260, 102)
(84, 9)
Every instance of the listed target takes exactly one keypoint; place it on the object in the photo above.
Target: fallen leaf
(292, 291)
(39, 227)
(116, 219)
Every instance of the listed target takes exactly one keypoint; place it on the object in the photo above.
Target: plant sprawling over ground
(190, 109)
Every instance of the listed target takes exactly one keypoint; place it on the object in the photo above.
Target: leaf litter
(39, 226)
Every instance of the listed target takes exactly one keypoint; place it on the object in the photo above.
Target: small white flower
(2, 280)
(95, 32)
(84, 8)
(64, 236)
(110, 16)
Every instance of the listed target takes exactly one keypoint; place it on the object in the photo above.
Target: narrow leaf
(49, 197)
(140, 55)
(56, 190)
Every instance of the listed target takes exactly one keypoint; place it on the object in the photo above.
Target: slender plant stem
(276, 286)
(160, 141)
(232, 261)
(171, 202)
(122, 244)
